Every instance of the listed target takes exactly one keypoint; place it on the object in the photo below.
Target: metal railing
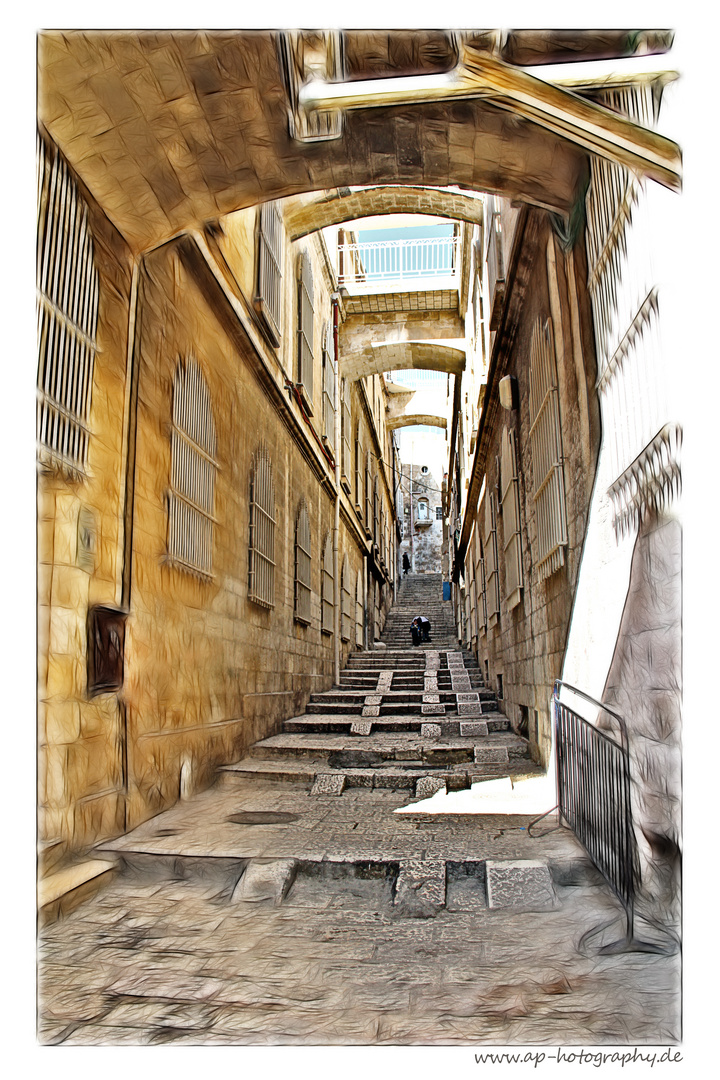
(593, 796)
(365, 264)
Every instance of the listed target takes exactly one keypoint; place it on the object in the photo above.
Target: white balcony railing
(375, 266)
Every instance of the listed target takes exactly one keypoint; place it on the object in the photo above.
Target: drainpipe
(336, 525)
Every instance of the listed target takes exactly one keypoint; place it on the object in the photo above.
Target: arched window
(346, 465)
(191, 499)
(546, 449)
(261, 582)
(346, 604)
(67, 299)
(328, 587)
(510, 503)
(423, 510)
(358, 474)
(359, 611)
(303, 565)
(328, 384)
(269, 298)
(305, 331)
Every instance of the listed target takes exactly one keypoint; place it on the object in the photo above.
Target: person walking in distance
(406, 563)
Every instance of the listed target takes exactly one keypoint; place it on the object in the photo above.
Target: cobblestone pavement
(157, 959)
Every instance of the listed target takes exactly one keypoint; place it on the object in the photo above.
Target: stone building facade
(152, 533)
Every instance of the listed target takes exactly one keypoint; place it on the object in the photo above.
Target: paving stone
(431, 699)
(488, 754)
(371, 710)
(469, 710)
(373, 699)
(468, 697)
(361, 727)
(470, 729)
(265, 880)
(520, 883)
(432, 710)
(328, 784)
(431, 685)
(428, 786)
(430, 731)
(461, 686)
(420, 889)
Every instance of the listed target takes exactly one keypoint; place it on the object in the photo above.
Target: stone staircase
(415, 718)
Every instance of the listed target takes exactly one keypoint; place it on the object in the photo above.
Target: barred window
(269, 299)
(346, 605)
(546, 448)
(368, 498)
(346, 465)
(358, 474)
(375, 512)
(261, 583)
(328, 587)
(67, 311)
(489, 529)
(328, 385)
(510, 502)
(359, 611)
(303, 565)
(191, 497)
(480, 588)
(438, 513)
(305, 331)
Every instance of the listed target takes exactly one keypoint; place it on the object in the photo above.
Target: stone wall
(207, 671)
(80, 765)
(525, 648)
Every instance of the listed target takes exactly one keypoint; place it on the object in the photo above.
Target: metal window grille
(376, 512)
(510, 502)
(193, 467)
(270, 266)
(328, 385)
(328, 587)
(346, 601)
(346, 422)
(306, 321)
(359, 611)
(546, 449)
(368, 495)
(492, 587)
(261, 584)
(303, 565)
(67, 310)
(358, 472)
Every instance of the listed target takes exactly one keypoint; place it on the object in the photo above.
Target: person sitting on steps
(420, 629)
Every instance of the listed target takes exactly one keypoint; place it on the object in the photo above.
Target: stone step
(428, 746)
(351, 696)
(456, 777)
(339, 722)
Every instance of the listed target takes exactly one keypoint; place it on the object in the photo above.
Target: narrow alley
(338, 329)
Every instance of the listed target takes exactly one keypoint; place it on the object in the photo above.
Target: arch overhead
(170, 130)
(306, 214)
(426, 419)
(390, 356)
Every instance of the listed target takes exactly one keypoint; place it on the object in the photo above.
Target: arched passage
(389, 356)
(425, 419)
(305, 214)
(172, 130)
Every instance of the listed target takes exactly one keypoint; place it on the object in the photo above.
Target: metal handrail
(593, 796)
(383, 260)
